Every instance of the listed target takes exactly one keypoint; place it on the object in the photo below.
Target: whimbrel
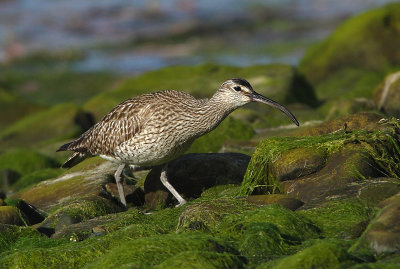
(153, 129)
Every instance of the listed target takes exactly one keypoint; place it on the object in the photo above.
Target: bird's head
(239, 92)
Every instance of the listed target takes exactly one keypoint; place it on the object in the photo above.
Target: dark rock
(343, 167)
(190, 174)
(32, 214)
(383, 234)
(280, 199)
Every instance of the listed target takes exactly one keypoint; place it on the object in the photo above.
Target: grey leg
(164, 180)
(117, 176)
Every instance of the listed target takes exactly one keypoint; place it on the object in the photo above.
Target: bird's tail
(75, 158)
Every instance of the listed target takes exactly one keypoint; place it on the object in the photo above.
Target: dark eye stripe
(237, 88)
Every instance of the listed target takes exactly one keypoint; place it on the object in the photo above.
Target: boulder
(85, 179)
(383, 234)
(190, 174)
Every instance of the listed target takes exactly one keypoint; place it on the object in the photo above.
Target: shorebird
(153, 129)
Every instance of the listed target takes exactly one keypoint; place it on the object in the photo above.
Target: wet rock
(11, 215)
(387, 95)
(280, 199)
(85, 179)
(345, 166)
(190, 174)
(372, 191)
(383, 234)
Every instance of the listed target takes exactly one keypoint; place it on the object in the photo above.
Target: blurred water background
(131, 37)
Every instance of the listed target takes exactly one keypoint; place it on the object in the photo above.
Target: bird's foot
(181, 203)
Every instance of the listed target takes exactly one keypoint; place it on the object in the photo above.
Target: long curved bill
(256, 97)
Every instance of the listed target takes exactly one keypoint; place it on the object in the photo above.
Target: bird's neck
(213, 112)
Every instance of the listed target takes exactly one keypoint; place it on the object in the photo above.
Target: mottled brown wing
(119, 125)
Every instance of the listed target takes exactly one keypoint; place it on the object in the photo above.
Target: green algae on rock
(320, 255)
(154, 250)
(368, 42)
(25, 161)
(279, 82)
(338, 218)
(203, 260)
(53, 124)
(35, 177)
(379, 146)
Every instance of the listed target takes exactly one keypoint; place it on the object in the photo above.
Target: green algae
(262, 241)
(293, 228)
(77, 210)
(203, 260)
(323, 254)
(337, 218)
(25, 161)
(155, 249)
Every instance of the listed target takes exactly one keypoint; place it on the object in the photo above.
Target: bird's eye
(237, 88)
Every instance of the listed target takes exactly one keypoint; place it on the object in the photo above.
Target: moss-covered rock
(11, 215)
(203, 260)
(279, 82)
(35, 177)
(53, 124)
(79, 210)
(25, 161)
(154, 250)
(85, 179)
(13, 108)
(262, 241)
(339, 218)
(320, 255)
(365, 43)
(350, 156)
(293, 228)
